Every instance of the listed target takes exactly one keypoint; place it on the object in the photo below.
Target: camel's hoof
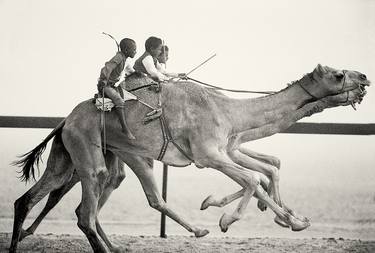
(280, 222)
(224, 222)
(262, 206)
(305, 219)
(201, 232)
(207, 202)
(301, 218)
(299, 225)
(23, 234)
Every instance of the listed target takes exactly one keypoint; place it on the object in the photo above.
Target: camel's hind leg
(57, 172)
(142, 167)
(116, 176)
(54, 197)
(88, 160)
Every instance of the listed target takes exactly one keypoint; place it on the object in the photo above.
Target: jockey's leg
(119, 109)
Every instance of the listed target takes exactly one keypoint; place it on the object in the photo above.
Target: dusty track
(73, 243)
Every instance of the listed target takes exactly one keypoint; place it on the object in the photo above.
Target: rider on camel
(110, 75)
(148, 63)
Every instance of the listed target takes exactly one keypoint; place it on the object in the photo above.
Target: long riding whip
(212, 56)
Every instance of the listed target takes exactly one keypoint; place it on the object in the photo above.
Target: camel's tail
(33, 157)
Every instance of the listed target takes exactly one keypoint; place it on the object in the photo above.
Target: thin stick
(200, 65)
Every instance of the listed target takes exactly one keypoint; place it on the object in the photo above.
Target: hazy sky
(51, 52)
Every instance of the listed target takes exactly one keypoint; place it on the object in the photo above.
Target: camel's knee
(273, 172)
(157, 204)
(119, 178)
(252, 181)
(275, 162)
(97, 179)
(102, 176)
(85, 223)
(86, 226)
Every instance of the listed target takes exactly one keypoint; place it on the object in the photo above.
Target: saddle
(106, 104)
(141, 83)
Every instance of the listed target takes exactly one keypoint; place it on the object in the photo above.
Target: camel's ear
(320, 70)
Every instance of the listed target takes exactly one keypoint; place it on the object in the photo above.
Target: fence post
(164, 195)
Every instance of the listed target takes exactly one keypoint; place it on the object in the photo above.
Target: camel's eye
(339, 75)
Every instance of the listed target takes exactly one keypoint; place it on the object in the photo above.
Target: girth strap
(167, 137)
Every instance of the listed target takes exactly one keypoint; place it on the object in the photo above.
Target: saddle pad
(108, 104)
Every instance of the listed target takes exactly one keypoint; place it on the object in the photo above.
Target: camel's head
(348, 85)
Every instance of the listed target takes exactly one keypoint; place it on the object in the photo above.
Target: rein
(230, 90)
(141, 87)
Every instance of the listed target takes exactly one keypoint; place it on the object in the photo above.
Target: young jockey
(110, 74)
(163, 56)
(148, 63)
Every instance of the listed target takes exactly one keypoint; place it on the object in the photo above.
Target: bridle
(312, 79)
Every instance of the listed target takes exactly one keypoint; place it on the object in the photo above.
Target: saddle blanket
(108, 104)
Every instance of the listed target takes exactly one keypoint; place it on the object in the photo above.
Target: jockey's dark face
(163, 57)
(131, 51)
(155, 52)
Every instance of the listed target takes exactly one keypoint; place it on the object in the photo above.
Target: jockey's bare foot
(130, 136)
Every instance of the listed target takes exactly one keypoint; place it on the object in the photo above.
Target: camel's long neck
(245, 114)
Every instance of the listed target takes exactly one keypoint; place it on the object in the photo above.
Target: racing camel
(206, 128)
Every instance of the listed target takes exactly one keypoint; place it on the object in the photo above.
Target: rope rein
(231, 90)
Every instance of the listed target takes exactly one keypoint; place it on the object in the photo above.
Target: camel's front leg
(242, 158)
(270, 186)
(142, 167)
(220, 202)
(226, 220)
(212, 201)
(251, 180)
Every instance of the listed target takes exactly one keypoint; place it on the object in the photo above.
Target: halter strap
(311, 79)
(343, 80)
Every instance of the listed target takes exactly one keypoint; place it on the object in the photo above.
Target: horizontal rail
(29, 122)
(298, 128)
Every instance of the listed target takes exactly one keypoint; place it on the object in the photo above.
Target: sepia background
(51, 53)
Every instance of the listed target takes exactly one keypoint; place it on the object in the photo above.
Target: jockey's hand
(182, 76)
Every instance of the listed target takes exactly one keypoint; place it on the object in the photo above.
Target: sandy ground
(74, 243)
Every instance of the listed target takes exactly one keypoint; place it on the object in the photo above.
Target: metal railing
(298, 128)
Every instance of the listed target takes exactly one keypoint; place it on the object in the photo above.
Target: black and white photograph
(187, 126)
